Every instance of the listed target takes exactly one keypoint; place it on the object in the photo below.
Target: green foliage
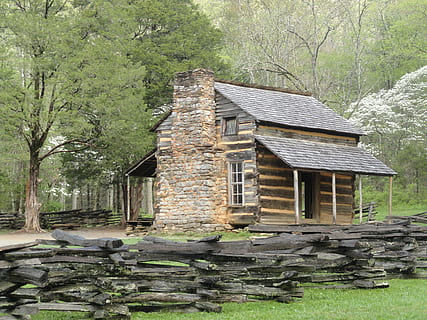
(51, 206)
(69, 73)
(400, 39)
(404, 196)
(172, 36)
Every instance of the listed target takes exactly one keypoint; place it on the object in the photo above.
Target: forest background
(82, 81)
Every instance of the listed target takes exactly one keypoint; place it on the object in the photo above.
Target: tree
(399, 40)
(68, 66)
(173, 36)
(167, 37)
(340, 51)
(396, 121)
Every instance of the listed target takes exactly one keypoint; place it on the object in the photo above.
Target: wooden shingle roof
(304, 154)
(288, 109)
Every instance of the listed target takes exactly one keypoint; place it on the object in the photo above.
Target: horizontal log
(14, 247)
(75, 259)
(29, 275)
(331, 260)
(80, 241)
(26, 293)
(179, 248)
(279, 204)
(241, 219)
(370, 284)
(12, 317)
(7, 287)
(277, 191)
(29, 254)
(82, 307)
(159, 297)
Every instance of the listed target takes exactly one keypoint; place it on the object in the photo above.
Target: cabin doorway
(310, 195)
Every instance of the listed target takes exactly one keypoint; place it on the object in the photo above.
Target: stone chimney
(193, 111)
(186, 190)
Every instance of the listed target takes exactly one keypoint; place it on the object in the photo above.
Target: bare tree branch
(57, 149)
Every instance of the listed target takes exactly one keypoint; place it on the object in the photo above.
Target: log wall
(344, 194)
(239, 147)
(275, 131)
(276, 189)
(276, 192)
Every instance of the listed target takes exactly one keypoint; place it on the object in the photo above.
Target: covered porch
(142, 195)
(307, 182)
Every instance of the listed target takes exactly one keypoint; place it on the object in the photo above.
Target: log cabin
(231, 154)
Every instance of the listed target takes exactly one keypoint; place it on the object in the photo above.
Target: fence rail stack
(107, 279)
(63, 219)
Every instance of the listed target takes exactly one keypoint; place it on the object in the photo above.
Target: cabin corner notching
(230, 154)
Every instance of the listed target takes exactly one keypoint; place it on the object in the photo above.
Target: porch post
(360, 199)
(334, 199)
(128, 198)
(296, 196)
(390, 196)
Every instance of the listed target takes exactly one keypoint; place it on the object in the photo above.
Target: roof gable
(288, 109)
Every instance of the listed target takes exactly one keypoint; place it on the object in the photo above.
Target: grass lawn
(400, 210)
(405, 299)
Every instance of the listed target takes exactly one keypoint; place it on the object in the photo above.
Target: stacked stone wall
(187, 192)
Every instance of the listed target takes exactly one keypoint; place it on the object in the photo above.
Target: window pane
(236, 183)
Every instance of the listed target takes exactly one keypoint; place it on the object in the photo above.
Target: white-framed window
(236, 183)
(229, 126)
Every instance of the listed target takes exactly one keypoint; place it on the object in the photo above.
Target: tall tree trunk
(32, 205)
(124, 202)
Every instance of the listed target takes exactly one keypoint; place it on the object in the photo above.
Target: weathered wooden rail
(64, 219)
(11, 221)
(417, 218)
(398, 248)
(369, 212)
(79, 217)
(107, 279)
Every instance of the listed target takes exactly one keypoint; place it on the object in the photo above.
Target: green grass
(405, 299)
(401, 210)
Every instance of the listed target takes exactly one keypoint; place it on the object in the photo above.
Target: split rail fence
(65, 219)
(108, 279)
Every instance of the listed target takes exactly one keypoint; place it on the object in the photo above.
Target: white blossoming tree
(396, 123)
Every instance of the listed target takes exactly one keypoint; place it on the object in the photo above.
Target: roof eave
(135, 166)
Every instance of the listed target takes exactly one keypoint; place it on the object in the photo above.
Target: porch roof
(303, 154)
(146, 167)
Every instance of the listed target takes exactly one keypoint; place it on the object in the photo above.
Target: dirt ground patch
(89, 233)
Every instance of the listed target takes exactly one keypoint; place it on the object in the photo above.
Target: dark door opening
(309, 195)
